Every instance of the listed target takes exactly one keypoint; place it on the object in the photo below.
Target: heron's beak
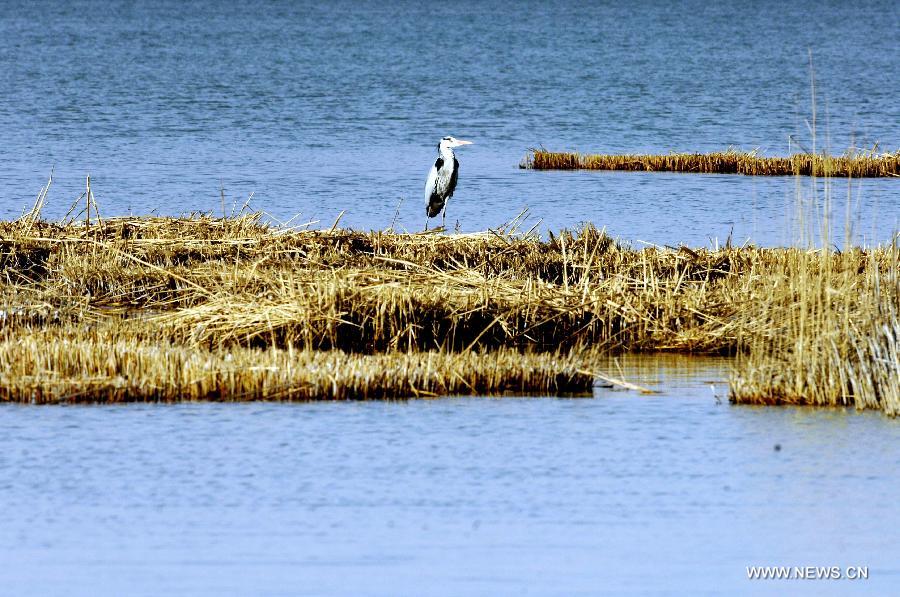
(460, 142)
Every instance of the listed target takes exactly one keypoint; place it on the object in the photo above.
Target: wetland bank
(205, 308)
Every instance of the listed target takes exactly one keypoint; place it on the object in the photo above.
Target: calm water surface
(321, 107)
(615, 494)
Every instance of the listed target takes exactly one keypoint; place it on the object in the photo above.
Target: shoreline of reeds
(70, 371)
(825, 346)
(204, 308)
(865, 164)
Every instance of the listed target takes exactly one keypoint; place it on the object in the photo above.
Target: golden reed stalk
(856, 165)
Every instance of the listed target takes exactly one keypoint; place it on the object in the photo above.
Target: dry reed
(119, 311)
(834, 339)
(856, 165)
(57, 370)
(216, 283)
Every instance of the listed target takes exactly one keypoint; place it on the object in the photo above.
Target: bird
(442, 177)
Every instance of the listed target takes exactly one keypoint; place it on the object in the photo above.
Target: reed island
(859, 164)
(207, 308)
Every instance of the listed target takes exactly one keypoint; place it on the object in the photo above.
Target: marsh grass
(834, 337)
(54, 370)
(859, 164)
(218, 283)
(230, 309)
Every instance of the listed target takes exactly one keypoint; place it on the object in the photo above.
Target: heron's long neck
(447, 154)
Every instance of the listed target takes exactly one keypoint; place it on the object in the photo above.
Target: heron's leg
(443, 215)
(426, 222)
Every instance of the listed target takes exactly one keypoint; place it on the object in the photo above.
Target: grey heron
(442, 179)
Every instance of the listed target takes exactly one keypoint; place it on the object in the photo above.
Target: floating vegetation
(856, 165)
(235, 309)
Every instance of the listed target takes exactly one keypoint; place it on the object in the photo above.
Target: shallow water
(322, 107)
(614, 494)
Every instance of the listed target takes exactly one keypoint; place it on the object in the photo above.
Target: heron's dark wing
(454, 176)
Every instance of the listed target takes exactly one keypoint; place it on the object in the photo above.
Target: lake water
(317, 108)
(615, 494)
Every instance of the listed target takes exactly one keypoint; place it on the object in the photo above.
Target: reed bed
(218, 283)
(856, 165)
(139, 308)
(92, 370)
(834, 339)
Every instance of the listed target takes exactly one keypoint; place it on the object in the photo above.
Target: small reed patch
(856, 165)
(39, 370)
(827, 346)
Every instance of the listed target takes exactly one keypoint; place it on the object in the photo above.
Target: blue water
(315, 108)
(616, 494)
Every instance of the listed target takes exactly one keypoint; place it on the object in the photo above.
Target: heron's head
(451, 142)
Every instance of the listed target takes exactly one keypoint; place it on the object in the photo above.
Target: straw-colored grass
(834, 338)
(856, 165)
(41, 370)
(138, 308)
(217, 283)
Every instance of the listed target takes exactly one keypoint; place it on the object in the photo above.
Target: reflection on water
(614, 494)
(666, 374)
